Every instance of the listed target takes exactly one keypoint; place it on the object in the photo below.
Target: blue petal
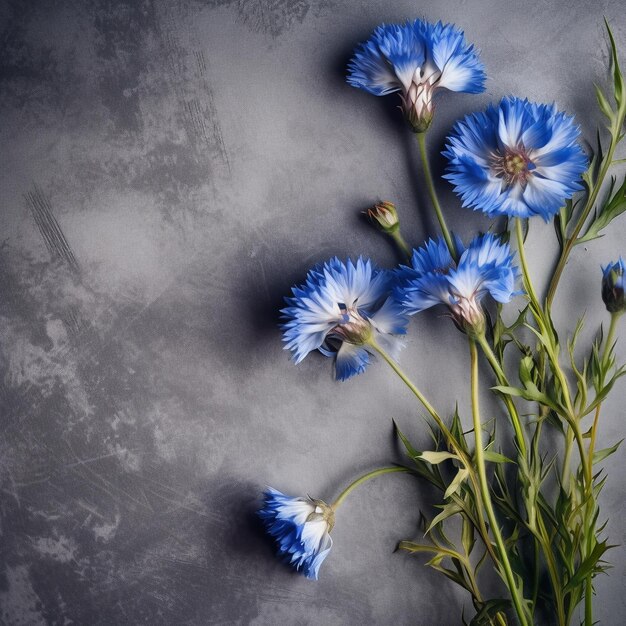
(548, 138)
(318, 306)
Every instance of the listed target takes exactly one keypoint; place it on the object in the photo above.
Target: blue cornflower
(485, 267)
(613, 286)
(416, 59)
(301, 528)
(517, 158)
(342, 309)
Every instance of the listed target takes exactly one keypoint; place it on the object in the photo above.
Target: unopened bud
(385, 216)
(613, 286)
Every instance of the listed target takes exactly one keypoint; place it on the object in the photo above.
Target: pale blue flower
(416, 59)
(518, 159)
(484, 267)
(301, 528)
(613, 286)
(340, 310)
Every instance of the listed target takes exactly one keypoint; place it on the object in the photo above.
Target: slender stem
(589, 470)
(396, 235)
(481, 526)
(354, 484)
(552, 569)
(526, 274)
(605, 355)
(502, 380)
(484, 486)
(418, 394)
(430, 185)
(565, 472)
(591, 200)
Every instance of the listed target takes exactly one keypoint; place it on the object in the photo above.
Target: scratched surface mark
(168, 170)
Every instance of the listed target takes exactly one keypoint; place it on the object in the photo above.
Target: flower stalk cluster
(519, 160)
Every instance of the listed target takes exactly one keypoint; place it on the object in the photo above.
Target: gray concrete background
(168, 170)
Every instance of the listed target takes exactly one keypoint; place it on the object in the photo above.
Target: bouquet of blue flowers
(515, 506)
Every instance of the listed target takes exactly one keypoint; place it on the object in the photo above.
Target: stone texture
(168, 171)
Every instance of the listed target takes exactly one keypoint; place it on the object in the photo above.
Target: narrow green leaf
(587, 566)
(603, 103)
(436, 457)
(496, 457)
(455, 485)
(448, 510)
(600, 455)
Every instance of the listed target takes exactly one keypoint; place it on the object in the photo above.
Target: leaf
(488, 611)
(448, 510)
(587, 566)
(468, 538)
(530, 393)
(614, 206)
(603, 103)
(413, 453)
(496, 457)
(618, 80)
(600, 455)
(435, 458)
(455, 485)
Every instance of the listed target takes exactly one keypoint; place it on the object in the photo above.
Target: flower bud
(385, 216)
(468, 316)
(613, 287)
(417, 105)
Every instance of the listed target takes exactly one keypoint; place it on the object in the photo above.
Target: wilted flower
(385, 216)
(341, 309)
(485, 267)
(613, 286)
(416, 59)
(518, 158)
(301, 528)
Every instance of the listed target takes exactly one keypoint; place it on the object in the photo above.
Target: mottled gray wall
(168, 170)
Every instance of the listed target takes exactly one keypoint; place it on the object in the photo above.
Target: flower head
(613, 286)
(485, 267)
(301, 528)
(416, 59)
(340, 310)
(517, 158)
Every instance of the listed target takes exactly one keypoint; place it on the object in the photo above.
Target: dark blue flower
(485, 267)
(340, 310)
(301, 528)
(613, 286)
(518, 159)
(416, 59)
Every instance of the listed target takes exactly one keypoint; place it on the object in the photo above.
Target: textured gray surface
(168, 170)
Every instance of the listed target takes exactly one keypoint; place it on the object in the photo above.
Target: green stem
(610, 338)
(530, 290)
(451, 441)
(354, 484)
(591, 200)
(486, 496)
(565, 472)
(552, 568)
(430, 185)
(418, 394)
(396, 235)
(502, 380)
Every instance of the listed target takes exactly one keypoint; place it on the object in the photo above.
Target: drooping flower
(517, 158)
(613, 286)
(416, 59)
(301, 528)
(485, 267)
(340, 310)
